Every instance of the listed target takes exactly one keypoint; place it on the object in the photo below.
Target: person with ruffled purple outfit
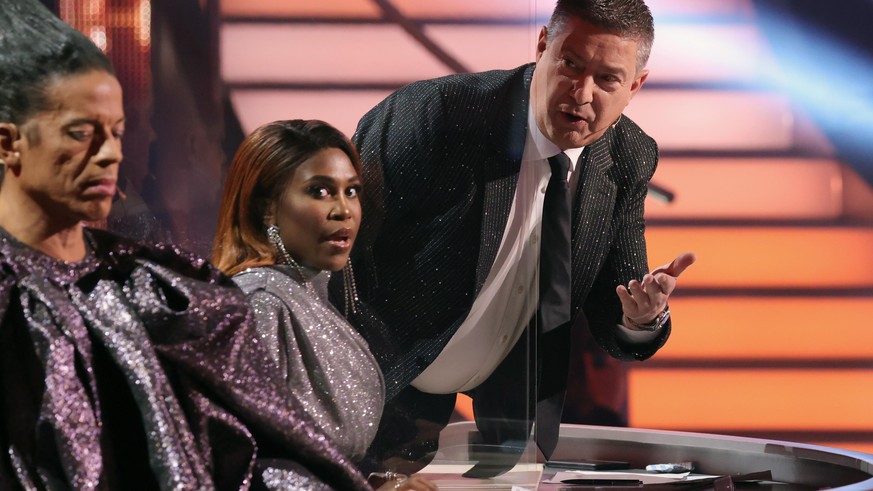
(122, 365)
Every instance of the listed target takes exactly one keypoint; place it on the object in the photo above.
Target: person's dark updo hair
(37, 48)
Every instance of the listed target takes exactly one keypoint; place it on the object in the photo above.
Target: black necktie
(553, 339)
(555, 248)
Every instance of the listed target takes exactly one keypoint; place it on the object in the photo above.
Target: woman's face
(70, 153)
(319, 211)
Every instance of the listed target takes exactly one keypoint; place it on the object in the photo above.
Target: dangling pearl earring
(276, 240)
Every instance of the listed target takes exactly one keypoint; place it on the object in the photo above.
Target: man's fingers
(636, 288)
(678, 265)
(649, 296)
(666, 283)
(624, 296)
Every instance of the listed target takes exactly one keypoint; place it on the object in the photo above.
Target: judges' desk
(799, 467)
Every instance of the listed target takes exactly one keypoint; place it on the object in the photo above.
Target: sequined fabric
(139, 368)
(326, 363)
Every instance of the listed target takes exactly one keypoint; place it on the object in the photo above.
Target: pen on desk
(599, 487)
(631, 483)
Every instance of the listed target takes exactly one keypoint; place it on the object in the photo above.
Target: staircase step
(749, 189)
(768, 257)
(341, 55)
(726, 400)
(715, 119)
(726, 329)
(341, 109)
(285, 9)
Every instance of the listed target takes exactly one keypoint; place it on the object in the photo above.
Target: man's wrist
(659, 321)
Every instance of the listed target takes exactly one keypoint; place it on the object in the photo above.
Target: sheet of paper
(642, 476)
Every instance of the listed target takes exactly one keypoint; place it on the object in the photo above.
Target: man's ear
(542, 42)
(638, 82)
(9, 136)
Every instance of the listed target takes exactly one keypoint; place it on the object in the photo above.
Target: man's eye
(80, 135)
(569, 63)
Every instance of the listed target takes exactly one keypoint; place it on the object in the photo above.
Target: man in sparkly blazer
(446, 261)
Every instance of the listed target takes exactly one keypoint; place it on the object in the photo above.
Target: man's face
(70, 153)
(584, 78)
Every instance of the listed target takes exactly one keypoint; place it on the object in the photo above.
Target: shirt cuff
(636, 337)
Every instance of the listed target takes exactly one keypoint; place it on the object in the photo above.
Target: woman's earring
(350, 290)
(276, 240)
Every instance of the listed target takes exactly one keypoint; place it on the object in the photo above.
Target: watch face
(656, 324)
(663, 317)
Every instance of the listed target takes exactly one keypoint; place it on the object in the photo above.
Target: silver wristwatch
(656, 324)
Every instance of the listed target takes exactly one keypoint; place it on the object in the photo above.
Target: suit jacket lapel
(592, 215)
(500, 168)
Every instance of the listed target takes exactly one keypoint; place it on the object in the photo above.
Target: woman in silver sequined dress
(288, 220)
(123, 365)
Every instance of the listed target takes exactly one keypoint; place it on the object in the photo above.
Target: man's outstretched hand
(642, 301)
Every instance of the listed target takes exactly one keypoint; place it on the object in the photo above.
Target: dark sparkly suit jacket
(441, 160)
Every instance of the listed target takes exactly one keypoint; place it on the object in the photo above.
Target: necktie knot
(560, 165)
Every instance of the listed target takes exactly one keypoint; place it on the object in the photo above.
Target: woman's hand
(413, 483)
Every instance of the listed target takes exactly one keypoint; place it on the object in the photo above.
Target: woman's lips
(341, 239)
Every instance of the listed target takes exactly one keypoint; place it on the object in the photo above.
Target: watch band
(656, 324)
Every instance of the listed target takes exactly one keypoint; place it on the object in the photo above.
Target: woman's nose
(340, 210)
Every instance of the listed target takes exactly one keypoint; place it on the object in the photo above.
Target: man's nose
(110, 151)
(583, 90)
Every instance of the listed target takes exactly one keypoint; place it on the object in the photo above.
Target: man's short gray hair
(630, 19)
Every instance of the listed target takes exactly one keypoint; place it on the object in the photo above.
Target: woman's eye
(319, 191)
(353, 191)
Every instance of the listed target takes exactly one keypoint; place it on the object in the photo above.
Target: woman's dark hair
(260, 171)
(37, 48)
